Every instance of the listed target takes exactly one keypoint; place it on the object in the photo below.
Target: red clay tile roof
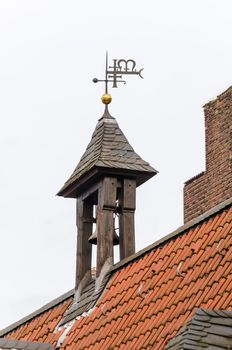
(40, 326)
(151, 296)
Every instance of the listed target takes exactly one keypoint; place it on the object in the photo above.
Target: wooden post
(84, 248)
(126, 218)
(105, 222)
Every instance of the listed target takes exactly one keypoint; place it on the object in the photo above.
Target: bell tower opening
(108, 203)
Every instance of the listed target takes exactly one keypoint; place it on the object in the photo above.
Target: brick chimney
(214, 185)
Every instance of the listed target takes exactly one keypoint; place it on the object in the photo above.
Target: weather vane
(114, 74)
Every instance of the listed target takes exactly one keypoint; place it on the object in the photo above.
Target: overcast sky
(49, 52)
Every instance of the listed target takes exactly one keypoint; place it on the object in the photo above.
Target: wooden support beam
(127, 203)
(84, 248)
(105, 222)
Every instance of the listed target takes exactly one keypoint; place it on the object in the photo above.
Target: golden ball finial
(106, 99)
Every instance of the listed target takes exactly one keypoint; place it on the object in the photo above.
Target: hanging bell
(115, 238)
(93, 238)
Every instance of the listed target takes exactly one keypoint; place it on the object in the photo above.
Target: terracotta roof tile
(149, 299)
(225, 302)
(42, 325)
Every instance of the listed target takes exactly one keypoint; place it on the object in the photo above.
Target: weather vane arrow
(115, 73)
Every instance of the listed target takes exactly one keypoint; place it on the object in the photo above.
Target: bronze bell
(115, 238)
(93, 238)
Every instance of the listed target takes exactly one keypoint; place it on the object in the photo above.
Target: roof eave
(74, 189)
(37, 312)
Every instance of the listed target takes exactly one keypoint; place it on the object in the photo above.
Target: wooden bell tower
(106, 177)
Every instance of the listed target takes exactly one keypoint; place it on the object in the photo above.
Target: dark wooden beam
(105, 221)
(126, 218)
(84, 248)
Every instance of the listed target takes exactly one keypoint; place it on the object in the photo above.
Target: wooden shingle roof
(207, 330)
(14, 344)
(108, 151)
(86, 302)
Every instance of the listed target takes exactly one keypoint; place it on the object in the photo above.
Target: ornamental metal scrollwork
(115, 73)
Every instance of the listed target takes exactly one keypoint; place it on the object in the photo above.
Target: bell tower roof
(108, 152)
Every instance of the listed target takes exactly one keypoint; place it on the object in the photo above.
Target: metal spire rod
(106, 80)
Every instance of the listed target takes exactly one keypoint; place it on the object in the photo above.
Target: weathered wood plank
(105, 222)
(126, 218)
(129, 194)
(84, 248)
